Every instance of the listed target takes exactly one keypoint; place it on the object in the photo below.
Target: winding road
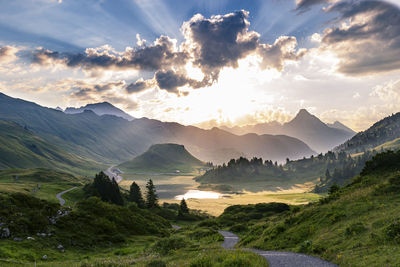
(111, 174)
(278, 258)
(58, 196)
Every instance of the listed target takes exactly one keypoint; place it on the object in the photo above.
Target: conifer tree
(106, 189)
(135, 195)
(183, 208)
(151, 196)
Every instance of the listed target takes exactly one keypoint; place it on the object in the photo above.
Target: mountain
(304, 126)
(104, 108)
(339, 125)
(111, 139)
(383, 131)
(163, 158)
(21, 148)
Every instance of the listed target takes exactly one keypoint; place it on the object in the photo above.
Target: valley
(59, 213)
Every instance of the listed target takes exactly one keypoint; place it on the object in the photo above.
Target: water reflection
(199, 194)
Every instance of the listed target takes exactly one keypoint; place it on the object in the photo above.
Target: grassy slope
(20, 148)
(51, 182)
(357, 226)
(163, 158)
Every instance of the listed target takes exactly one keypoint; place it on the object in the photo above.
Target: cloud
(83, 89)
(8, 54)
(139, 86)
(304, 5)
(210, 44)
(284, 48)
(367, 38)
(85, 92)
(162, 53)
(219, 41)
(388, 92)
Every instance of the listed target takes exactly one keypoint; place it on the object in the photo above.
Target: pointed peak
(303, 113)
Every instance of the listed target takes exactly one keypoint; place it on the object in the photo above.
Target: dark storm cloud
(158, 55)
(139, 86)
(304, 5)
(370, 42)
(221, 40)
(210, 44)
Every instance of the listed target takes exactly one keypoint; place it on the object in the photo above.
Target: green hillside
(163, 158)
(111, 139)
(21, 148)
(41, 183)
(357, 225)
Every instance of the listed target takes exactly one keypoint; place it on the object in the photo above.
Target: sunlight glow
(199, 195)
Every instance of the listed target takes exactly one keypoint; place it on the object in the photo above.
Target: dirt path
(58, 196)
(111, 174)
(278, 258)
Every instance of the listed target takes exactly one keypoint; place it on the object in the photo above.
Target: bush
(166, 245)
(156, 263)
(239, 228)
(355, 229)
(392, 231)
(202, 232)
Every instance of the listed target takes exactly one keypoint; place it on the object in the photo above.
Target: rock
(5, 232)
(41, 234)
(60, 247)
(30, 238)
(44, 257)
(18, 239)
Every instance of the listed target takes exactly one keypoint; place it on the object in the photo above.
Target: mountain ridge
(101, 108)
(111, 139)
(304, 126)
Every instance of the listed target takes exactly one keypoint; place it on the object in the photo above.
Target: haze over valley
(200, 133)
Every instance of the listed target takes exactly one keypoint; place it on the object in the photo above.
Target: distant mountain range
(385, 130)
(112, 139)
(103, 108)
(163, 158)
(319, 136)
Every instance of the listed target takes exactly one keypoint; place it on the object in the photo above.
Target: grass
(21, 148)
(163, 158)
(215, 207)
(357, 226)
(42, 183)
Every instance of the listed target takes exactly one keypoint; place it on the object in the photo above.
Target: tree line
(108, 190)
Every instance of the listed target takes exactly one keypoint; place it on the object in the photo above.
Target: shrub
(392, 231)
(355, 229)
(165, 246)
(156, 263)
(239, 228)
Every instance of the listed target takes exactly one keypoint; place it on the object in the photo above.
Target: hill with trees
(355, 225)
(163, 158)
(329, 168)
(385, 130)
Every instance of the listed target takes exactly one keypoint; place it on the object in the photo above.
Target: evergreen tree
(327, 174)
(151, 196)
(106, 189)
(135, 195)
(183, 208)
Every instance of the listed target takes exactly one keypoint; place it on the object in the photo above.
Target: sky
(206, 62)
